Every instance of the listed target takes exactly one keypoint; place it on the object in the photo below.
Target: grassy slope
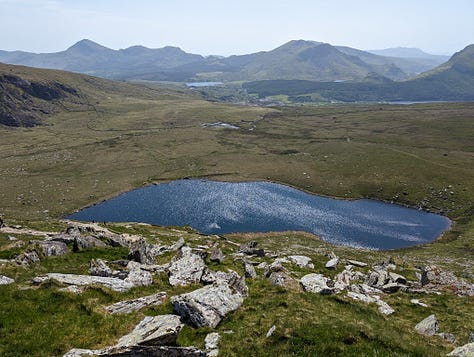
(399, 153)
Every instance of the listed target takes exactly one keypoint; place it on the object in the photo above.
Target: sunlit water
(218, 208)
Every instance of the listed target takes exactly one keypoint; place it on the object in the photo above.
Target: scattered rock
(301, 261)
(77, 240)
(187, 268)
(377, 278)
(428, 326)
(52, 248)
(249, 270)
(128, 306)
(391, 288)
(159, 330)
(270, 331)
(251, 249)
(282, 279)
(464, 351)
(27, 258)
(139, 351)
(344, 279)
(216, 255)
(447, 336)
(74, 289)
(356, 263)
(142, 252)
(207, 306)
(418, 302)
(397, 278)
(5, 280)
(317, 283)
(211, 343)
(384, 308)
(81, 280)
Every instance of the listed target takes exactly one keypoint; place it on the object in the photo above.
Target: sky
(221, 27)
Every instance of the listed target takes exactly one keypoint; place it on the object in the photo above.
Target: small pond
(214, 207)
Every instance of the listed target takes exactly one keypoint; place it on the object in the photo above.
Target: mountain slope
(28, 94)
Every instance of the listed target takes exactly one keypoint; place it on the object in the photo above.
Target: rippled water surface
(220, 207)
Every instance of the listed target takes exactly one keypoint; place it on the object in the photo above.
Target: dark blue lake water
(220, 207)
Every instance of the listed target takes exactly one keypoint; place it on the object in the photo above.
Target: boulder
(251, 249)
(391, 288)
(185, 269)
(207, 306)
(159, 330)
(317, 283)
(428, 326)
(249, 270)
(332, 263)
(216, 255)
(397, 278)
(344, 279)
(377, 278)
(301, 261)
(140, 251)
(464, 351)
(81, 280)
(128, 306)
(211, 343)
(77, 240)
(447, 336)
(5, 280)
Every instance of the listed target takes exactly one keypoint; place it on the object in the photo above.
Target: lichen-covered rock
(435, 278)
(428, 326)
(282, 279)
(5, 280)
(216, 255)
(185, 269)
(52, 248)
(207, 306)
(138, 276)
(139, 351)
(317, 283)
(464, 351)
(128, 306)
(99, 267)
(159, 330)
(332, 263)
(384, 308)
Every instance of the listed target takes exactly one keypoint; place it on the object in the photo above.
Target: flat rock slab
(207, 306)
(81, 280)
(159, 330)
(128, 306)
(357, 263)
(384, 308)
(139, 351)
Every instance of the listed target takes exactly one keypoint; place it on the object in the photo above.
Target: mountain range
(298, 59)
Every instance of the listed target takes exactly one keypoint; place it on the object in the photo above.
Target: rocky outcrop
(99, 267)
(434, 278)
(216, 255)
(186, 268)
(249, 270)
(207, 306)
(52, 248)
(84, 280)
(5, 280)
(428, 326)
(138, 276)
(27, 258)
(159, 330)
(128, 306)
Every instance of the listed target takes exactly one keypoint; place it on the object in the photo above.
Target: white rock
(464, 351)
(316, 283)
(302, 261)
(428, 326)
(418, 302)
(125, 307)
(357, 263)
(331, 264)
(211, 343)
(270, 331)
(5, 280)
(81, 280)
(187, 269)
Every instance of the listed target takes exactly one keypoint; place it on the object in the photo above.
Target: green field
(417, 155)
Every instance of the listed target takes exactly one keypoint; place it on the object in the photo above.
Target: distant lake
(203, 84)
(220, 207)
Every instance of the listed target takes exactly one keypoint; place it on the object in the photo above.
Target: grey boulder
(428, 326)
(463, 351)
(128, 306)
(316, 283)
(185, 269)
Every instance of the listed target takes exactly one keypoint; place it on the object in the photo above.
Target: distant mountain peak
(404, 52)
(87, 46)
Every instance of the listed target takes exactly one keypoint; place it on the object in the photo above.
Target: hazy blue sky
(236, 27)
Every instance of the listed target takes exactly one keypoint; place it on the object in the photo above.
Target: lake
(213, 207)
